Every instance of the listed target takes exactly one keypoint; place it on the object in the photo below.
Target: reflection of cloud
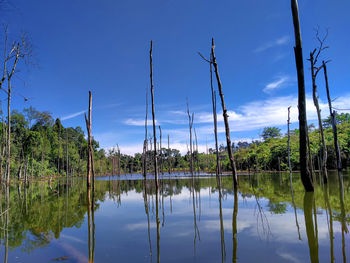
(288, 256)
(72, 238)
(139, 226)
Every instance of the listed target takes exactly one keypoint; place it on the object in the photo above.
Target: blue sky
(103, 46)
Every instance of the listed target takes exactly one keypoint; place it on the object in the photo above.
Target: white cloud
(277, 42)
(73, 115)
(139, 122)
(278, 83)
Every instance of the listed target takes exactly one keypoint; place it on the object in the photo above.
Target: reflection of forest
(40, 211)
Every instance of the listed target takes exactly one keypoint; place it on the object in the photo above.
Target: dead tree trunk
(197, 152)
(59, 150)
(145, 141)
(160, 151)
(169, 157)
(304, 170)
(225, 115)
(333, 119)
(288, 145)
(314, 72)
(67, 165)
(88, 127)
(190, 124)
(153, 118)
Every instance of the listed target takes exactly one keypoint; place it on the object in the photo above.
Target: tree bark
(190, 124)
(333, 120)
(153, 118)
(317, 106)
(304, 170)
(225, 115)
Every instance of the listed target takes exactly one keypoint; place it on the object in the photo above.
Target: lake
(189, 220)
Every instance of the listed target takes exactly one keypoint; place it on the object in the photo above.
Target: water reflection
(57, 220)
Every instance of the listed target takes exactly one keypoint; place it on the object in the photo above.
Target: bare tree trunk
(169, 157)
(154, 119)
(190, 124)
(59, 150)
(304, 171)
(88, 127)
(288, 144)
(67, 165)
(145, 141)
(225, 115)
(197, 155)
(317, 106)
(160, 151)
(8, 157)
(333, 120)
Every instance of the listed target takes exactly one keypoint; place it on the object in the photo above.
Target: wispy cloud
(139, 122)
(277, 42)
(278, 83)
(73, 115)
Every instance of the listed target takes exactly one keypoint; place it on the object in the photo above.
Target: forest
(42, 147)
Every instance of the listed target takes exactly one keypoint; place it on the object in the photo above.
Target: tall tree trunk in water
(88, 122)
(197, 154)
(145, 141)
(317, 106)
(225, 115)
(304, 170)
(160, 150)
(67, 165)
(153, 118)
(59, 150)
(333, 119)
(288, 145)
(169, 157)
(8, 160)
(190, 124)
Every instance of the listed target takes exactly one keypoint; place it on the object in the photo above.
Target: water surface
(193, 220)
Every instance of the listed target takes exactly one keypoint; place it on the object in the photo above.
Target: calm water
(261, 222)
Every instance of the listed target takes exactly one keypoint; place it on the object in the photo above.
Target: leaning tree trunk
(153, 119)
(225, 115)
(304, 170)
(333, 120)
(317, 106)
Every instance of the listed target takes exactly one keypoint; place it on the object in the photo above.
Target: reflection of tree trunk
(290, 176)
(344, 228)
(329, 208)
(147, 213)
(158, 222)
(234, 226)
(196, 230)
(222, 231)
(309, 224)
(89, 221)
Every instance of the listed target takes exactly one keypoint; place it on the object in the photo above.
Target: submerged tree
(315, 69)
(303, 155)
(225, 115)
